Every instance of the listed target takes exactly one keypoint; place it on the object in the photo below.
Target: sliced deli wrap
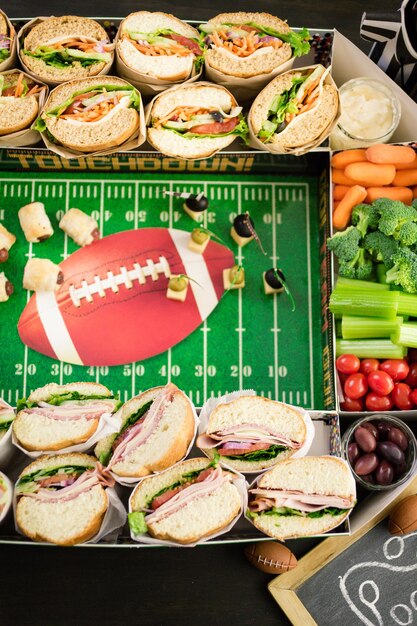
(295, 112)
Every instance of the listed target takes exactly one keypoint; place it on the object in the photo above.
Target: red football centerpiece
(112, 307)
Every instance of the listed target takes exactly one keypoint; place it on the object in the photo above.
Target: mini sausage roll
(42, 275)
(82, 228)
(6, 288)
(6, 241)
(35, 222)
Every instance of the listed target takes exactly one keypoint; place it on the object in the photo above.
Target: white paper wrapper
(129, 481)
(27, 136)
(11, 60)
(9, 495)
(137, 139)
(298, 151)
(7, 450)
(245, 89)
(107, 425)
(149, 86)
(239, 481)
(24, 31)
(211, 404)
(325, 456)
(114, 518)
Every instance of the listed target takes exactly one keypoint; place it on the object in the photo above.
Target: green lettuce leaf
(299, 42)
(28, 481)
(4, 54)
(66, 57)
(6, 425)
(58, 399)
(287, 511)
(137, 523)
(259, 455)
(39, 125)
(134, 96)
(281, 105)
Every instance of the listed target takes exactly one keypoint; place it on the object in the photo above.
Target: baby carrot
(405, 178)
(343, 211)
(384, 153)
(407, 166)
(372, 174)
(340, 178)
(414, 190)
(341, 159)
(339, 191)
(403, 194)
(335, 204)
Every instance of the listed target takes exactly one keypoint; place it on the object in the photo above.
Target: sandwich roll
(6, 496)
(8, 43)
(58, 49)
(92, 116)
(66, 499)
(194, 121)
(156, 430)
(192, 502)
(71, 417)
(302, 497)
(155, 50)
(295, 112)
(252, 433)
(246, 50)
(7, 449)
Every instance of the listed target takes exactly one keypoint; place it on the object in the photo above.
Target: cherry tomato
(413, 396)
(342, 378)
(347, 363)
(352, 405)
(411, 378)
(380, 382)
(397, 368)
(369, 365)
(356, 386)
(401, 397)
(374, 402)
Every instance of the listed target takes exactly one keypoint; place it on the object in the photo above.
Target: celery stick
(356, 285)
(406, 335)
(355, 327)
(338, 327)
(370, 348)
(367, 304)
(407, 304)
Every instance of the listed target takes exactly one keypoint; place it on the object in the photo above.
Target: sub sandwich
(62, 499)
(250, 44)
(57, 416)
(6, 495)
(159, 45)
(58, 49)
(295, 109)
(251, 433)
(7, 38)
(157, 428)
(92, 114)
(19, 101)
(302, 497)
(195, 121)
(6, 418)
(185, 504)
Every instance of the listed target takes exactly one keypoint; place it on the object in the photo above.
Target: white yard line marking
(310, 318)
(275, 329)
(171, 205)
(135, 223)
(239, 323)
(205, 329)
(101, 227)
(28, 296)
(61, 364)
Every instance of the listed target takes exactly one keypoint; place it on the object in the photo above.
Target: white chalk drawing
(369, 593)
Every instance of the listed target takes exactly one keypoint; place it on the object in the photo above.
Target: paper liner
(149, 106)
(136, 140)
(211, 404)
(132, 481)
(24, 31)
(254, 483)
(242, 486)
(148, 85)
(9, 492)
(26, 136)
(298, 151)
(12, 58)
(114, 518)
(245, 89)
(7, 450)
(106, 426)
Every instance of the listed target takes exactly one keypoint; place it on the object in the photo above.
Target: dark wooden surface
(213, 585)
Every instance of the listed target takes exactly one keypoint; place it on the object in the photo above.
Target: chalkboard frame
(284, 587)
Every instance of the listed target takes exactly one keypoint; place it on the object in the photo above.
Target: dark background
(213, 585)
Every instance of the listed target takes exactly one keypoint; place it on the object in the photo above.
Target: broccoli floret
(404, 271)
(381, 247)
(345, 244)
(394, 215)
(407, 234)
(365, 217)
(360, 267)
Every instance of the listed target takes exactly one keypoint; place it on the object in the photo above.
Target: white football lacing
(125, 277)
